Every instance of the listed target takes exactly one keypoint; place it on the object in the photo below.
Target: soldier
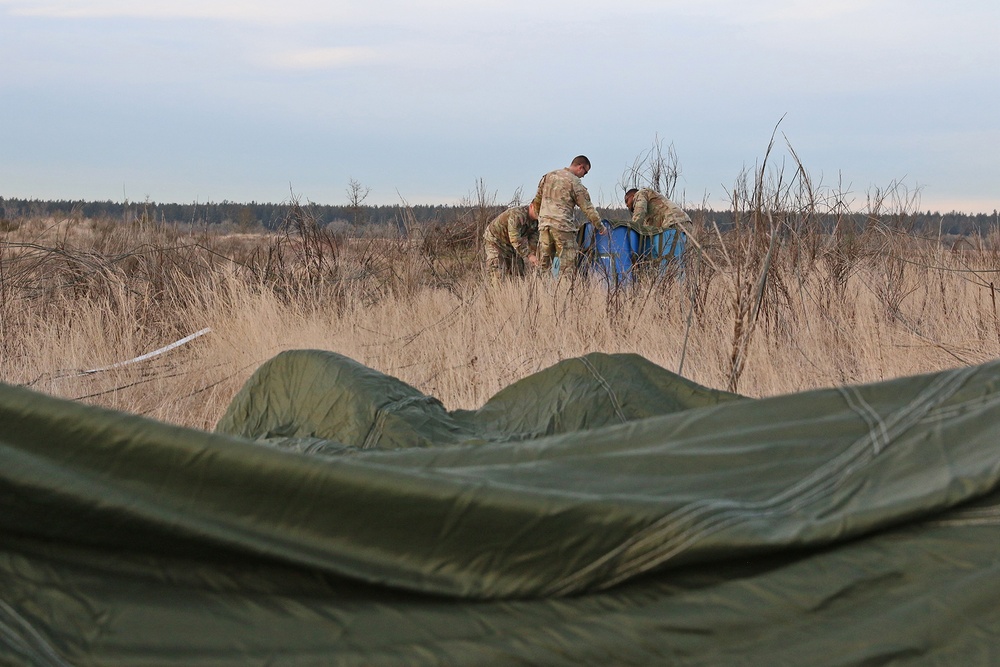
(510, 240)
(559, 193)
(652, 212)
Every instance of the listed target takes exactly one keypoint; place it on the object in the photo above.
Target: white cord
(152, 354)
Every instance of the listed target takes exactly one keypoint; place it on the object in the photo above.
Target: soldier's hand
(532, 259)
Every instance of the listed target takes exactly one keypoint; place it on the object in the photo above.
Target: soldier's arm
(583, 201)
(537, 201)
(532, 240)
(515, 227)
(640, 210)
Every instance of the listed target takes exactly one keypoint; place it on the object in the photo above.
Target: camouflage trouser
(502, 261)
(558, 243)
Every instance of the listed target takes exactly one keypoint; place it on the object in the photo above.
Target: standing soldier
(652, 212)
(509, 241)
(559, 193)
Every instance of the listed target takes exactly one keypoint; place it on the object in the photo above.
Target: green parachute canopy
(603, 511)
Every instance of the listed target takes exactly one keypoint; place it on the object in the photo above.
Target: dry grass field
(771, 305)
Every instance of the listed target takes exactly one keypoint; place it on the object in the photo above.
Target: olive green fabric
(604, 511)
(316, 394)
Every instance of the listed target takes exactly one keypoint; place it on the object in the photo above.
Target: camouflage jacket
(513, 230)
(559, 192)
(652, 213)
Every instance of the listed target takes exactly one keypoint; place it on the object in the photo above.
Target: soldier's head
(630, 198)
(580, 166)
(532, 213)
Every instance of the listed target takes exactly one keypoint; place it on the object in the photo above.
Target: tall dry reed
(791, 296)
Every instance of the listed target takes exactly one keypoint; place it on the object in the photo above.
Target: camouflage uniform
(559, 193)
(652, 213)
(508, 240)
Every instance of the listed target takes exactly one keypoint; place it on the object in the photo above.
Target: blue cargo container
(609, 256)
(616, 256)
(663, 249)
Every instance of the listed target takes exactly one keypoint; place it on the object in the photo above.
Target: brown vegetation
(777, 303)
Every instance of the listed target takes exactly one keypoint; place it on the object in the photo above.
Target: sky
(429, 101)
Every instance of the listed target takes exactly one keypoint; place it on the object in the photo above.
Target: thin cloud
(333, 57)
(451, 12)
(243, 10)
(769, 11)
(82, 9)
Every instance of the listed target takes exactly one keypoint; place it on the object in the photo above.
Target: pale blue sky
(208, 100)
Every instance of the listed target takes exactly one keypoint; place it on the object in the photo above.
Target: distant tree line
(242, 215)
(395, 218)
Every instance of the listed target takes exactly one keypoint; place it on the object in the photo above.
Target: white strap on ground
(150, 355)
